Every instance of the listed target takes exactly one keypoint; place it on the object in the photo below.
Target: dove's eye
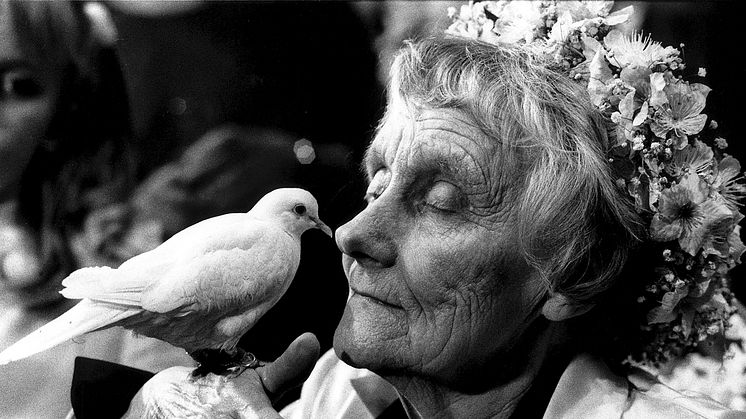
(300, 209)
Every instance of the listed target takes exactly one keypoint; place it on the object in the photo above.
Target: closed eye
(378, 184)
(445, 196)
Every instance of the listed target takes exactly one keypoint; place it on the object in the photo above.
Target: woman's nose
(367, 238)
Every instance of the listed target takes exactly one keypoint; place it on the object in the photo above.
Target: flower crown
(668, 158)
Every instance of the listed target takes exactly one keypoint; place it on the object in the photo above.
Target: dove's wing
(126, 284)
(211, 301)
(241, 266)
(188, 242)
(108, 285)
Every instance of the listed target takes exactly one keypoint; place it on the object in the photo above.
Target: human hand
(175, 393)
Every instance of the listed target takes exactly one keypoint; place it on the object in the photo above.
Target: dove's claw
(248, 360)
(230, 364)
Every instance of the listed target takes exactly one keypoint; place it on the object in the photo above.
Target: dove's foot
(216, 361)
(248, 360)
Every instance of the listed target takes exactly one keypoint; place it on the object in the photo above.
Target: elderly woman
(489, 210)
(482, 269)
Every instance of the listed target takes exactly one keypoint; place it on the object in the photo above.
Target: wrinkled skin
(437, 287)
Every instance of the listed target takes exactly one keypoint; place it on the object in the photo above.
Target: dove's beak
(323, 227)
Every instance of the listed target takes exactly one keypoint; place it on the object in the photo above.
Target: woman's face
(28, 92)
(437, 286)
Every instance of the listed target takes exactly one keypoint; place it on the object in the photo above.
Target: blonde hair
(84, 162)
(575, 226)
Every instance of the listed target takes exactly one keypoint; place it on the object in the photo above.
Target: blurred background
(228, 100)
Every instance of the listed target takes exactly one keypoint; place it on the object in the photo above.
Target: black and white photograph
(347, 209)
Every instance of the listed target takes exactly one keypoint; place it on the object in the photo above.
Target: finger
(293, 366)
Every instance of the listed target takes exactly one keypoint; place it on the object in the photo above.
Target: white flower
(682, 110)
(657, 84)
(721, 143)
(586, 10)
(619, 17)
(517, 20)
(562, 28)
(637, 142)
(465, 13)
(579, 15)
(600, 74)
(636, 50)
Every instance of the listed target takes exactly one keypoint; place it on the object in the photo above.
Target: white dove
(201, 290)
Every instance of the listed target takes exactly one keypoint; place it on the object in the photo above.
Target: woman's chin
(369, 335)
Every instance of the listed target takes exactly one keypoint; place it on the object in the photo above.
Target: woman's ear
(558, 308)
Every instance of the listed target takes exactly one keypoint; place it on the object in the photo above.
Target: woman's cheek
(446, 266)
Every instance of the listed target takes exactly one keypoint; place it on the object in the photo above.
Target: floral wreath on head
(665, 154)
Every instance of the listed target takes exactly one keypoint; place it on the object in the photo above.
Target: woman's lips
(375, 299)
(357, 278)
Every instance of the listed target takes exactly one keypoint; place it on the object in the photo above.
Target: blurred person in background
(64, 167)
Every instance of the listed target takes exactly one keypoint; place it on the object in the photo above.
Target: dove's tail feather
(86, 316)
(86, 277)
(103, 284)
